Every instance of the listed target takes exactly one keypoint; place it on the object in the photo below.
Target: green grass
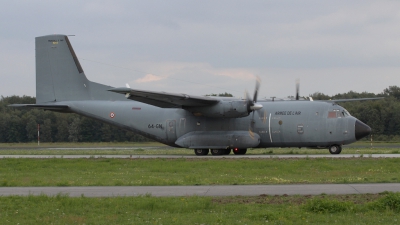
(341, 209)
(209, 171)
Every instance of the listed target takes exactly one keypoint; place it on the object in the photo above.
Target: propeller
(252, 106)
(298, 92)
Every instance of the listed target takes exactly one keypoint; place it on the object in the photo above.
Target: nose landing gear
(335, 149)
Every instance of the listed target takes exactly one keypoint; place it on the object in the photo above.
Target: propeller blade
(258, 81)
(251, 133)
(297, 89)
(252, 103)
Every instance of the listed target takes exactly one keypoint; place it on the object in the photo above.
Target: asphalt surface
(207, 156)
(223, 190)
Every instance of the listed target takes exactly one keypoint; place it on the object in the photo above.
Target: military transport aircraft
(202, 123)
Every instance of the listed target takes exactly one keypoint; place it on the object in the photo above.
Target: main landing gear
(201, 151)
(239, 151)
(236, 151)
(335, 149)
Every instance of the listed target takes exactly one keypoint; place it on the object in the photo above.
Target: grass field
(322, 209)
(209, 171)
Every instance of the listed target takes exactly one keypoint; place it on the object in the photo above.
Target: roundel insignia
(112, 115)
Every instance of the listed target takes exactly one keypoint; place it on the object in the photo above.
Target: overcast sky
(203, 47)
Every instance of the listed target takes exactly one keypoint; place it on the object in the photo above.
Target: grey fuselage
(286, 124)
(181, 120)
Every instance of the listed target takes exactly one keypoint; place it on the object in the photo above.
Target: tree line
(20, 125)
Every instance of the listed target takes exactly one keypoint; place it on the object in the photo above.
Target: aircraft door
(182, 127)
(275, 126)
(171, 130)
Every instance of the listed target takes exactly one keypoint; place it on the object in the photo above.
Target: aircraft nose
(361, 130)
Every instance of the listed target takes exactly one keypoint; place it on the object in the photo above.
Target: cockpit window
(336, 113)
(332, 114)
(346, 112)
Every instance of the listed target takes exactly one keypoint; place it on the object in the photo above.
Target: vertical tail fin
(59, 75)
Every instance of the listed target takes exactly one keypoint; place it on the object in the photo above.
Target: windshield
(346, 113)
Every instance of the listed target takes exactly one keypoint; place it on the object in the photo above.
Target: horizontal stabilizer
(164, 99)
(44, 106)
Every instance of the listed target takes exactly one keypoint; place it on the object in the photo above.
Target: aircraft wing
(164, 99)
(352, 99)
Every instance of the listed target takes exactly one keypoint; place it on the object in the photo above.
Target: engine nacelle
(224, 108)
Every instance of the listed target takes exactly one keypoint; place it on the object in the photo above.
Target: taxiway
(219, 190)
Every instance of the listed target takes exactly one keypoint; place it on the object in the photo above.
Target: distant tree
(90, 130)
(221, 95)
(393, 91)
(46, 131)
(319, 96)
(31, 129)
(74, 130)
(352, 94)
(62, 130)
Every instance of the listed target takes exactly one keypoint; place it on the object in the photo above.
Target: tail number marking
(157, 126)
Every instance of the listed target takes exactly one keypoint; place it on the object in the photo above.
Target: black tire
(335, 149)
(201, 151)
(217, 151)
(227, 152)
(240, 151)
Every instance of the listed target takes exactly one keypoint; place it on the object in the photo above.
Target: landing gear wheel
(335, 149)
(201, 151)
(239, 151)
(217, 151)
(227, 152)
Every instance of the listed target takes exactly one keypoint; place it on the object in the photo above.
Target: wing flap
(165, 99)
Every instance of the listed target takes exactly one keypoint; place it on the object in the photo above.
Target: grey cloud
(277, 40)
